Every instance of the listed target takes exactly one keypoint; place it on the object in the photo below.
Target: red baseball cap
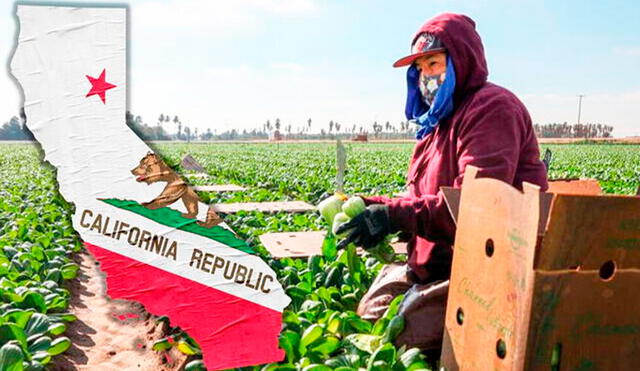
(425, 44)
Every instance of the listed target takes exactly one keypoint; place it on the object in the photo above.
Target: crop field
(321, 330)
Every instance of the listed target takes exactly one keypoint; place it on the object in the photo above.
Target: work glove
(368, 228)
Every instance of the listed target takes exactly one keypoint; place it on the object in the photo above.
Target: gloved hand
(368, 228)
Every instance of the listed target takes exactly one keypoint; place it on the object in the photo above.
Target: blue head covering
(428, 117)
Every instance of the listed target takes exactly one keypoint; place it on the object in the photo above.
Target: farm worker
(462, 120)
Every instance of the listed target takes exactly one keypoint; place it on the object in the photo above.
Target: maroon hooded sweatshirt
(490, 129)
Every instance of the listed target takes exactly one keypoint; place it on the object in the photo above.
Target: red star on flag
(99, 86)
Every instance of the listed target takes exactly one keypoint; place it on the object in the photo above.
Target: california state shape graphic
(156, 242)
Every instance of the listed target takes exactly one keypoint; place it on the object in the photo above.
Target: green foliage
(36, 240)
(320, 327)
(615, 166)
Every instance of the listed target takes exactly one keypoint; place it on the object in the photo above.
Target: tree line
(267, 130)
(564, 130)
(15, 129)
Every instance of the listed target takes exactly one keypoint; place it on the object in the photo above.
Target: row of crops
(320, 328)
(36, 243)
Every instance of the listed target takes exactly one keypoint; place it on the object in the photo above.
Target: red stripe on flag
(232, 332)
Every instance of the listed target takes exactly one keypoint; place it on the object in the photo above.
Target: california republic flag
(156, 242)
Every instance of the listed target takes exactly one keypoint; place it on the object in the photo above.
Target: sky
(224, 64)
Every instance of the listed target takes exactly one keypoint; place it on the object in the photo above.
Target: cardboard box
(543, 281)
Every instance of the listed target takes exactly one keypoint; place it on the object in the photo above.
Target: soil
(110, 334)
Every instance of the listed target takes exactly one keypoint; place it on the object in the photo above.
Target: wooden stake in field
(547, 159)
(190, 163)
(341, 164)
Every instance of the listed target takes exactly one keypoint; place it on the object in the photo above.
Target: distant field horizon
(614, 140)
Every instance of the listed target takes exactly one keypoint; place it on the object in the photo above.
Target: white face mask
(429, 86)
